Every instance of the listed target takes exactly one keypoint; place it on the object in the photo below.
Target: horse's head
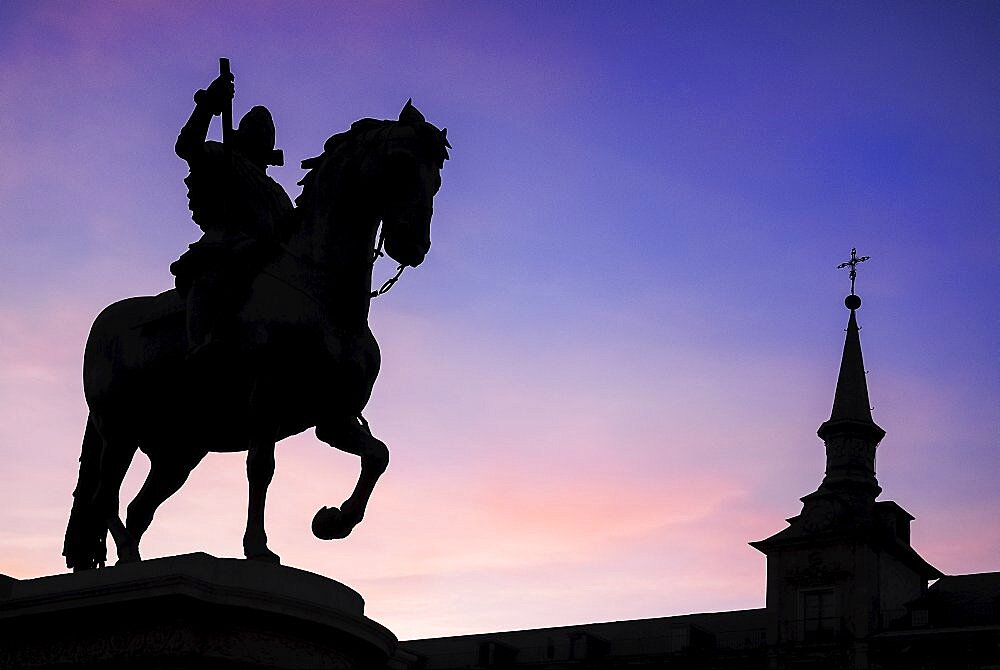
(384, 171)
(408, 177)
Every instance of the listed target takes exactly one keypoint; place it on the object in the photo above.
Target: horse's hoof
(266, 556)
(128, 557)
(329, 524)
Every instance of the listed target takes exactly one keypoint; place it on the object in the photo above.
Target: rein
(293, 278)
(378, 253)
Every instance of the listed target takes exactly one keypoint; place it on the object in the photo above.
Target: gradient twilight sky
(607, 376)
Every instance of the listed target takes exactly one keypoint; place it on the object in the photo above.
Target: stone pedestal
(191, 611)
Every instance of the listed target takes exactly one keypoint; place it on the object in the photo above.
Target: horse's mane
(348, 145)
(341, 147)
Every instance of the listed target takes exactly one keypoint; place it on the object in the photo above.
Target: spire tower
(850, 434)
(845, 555)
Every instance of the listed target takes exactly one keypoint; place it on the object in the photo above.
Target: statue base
(190, 611)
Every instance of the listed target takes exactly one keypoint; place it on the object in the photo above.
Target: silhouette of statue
(298, 351)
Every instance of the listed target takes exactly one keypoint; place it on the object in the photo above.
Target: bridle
(391, 281)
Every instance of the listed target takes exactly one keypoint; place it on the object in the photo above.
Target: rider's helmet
(254, 138)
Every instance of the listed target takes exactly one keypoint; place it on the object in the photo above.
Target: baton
(227, 111)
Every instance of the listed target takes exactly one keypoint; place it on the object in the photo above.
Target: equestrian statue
(266, 333)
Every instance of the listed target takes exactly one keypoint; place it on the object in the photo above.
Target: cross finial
(853, 264)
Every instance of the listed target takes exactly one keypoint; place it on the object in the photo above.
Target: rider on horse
(302, 319)
(243, 212)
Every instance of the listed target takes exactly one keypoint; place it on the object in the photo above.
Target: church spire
(850, 434)
(850, 400)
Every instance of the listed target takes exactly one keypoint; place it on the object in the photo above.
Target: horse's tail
(85, 545)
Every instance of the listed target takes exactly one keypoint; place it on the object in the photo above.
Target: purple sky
(607, 376)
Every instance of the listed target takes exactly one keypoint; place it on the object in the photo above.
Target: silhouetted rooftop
(739, 630)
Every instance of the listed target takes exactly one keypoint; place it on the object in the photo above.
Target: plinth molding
(189, 611)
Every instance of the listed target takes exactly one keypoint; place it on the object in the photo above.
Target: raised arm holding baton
(241, 210)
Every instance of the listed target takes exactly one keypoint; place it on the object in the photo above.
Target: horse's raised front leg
(349, 435)
(260, 471)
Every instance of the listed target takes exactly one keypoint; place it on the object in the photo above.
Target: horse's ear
(411, 114)
(444, 136)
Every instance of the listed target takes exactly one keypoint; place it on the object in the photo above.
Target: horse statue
(302, 356)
